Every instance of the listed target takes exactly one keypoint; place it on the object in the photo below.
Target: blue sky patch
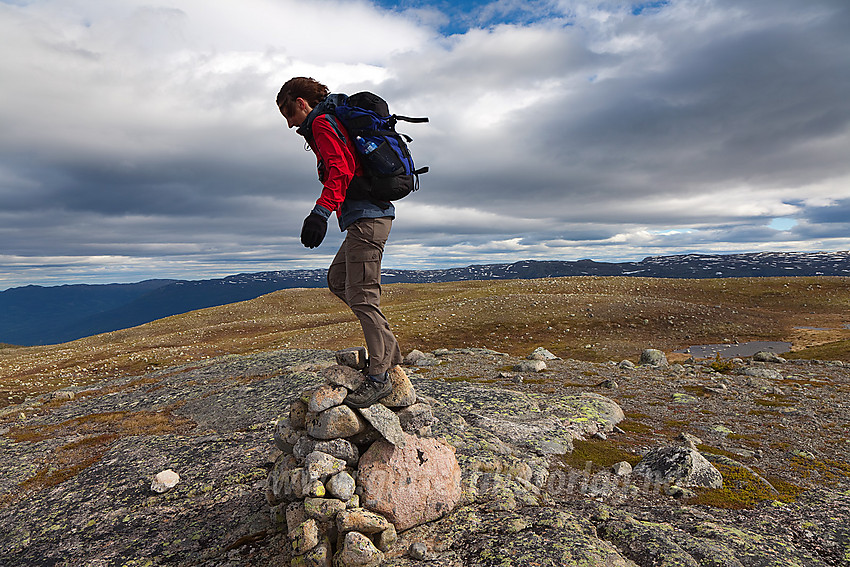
(642, 7)
(466, 14)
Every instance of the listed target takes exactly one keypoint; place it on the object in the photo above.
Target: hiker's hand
(313, 231)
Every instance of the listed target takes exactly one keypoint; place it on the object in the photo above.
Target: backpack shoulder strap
(409, 119)
(340, 131)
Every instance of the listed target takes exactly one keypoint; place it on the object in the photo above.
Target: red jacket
(337, 162)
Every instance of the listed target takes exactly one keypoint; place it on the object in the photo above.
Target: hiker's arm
(340, 165)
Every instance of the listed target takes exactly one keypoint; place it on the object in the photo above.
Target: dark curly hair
(307, 88)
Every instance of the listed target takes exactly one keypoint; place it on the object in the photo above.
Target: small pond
(732, 350)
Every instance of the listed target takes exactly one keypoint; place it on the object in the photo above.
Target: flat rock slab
(55, 526)
(545, 425)
(386, 422)
(344, 376)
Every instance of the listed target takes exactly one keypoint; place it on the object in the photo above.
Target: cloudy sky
(139, 138)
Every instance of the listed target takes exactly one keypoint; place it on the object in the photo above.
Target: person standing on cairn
(355, 273)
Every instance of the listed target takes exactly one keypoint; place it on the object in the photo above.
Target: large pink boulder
(411, 485)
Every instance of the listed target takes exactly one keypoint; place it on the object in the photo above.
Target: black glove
(313, 231)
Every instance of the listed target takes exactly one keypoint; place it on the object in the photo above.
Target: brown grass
(65, 462)
(588, 318)
(96, 434)
(115, 424)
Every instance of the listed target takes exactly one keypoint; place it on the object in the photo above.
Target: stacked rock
(335, 486)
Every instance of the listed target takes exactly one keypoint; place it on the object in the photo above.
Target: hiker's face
(296, 118)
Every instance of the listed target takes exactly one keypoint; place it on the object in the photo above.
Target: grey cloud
(838, 212)
(613, 127)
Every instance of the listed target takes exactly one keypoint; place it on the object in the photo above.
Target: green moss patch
(773, 402)
(743, 489)
(635, 427)
(825, 471)
(602, 454)
(722, 365)
(838, 350)
(696, 390)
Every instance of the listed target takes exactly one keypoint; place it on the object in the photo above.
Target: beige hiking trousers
(355, 277)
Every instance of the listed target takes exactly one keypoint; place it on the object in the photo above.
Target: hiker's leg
(363, 252)
(336, 273)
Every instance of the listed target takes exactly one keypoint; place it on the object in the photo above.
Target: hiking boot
(372, 390)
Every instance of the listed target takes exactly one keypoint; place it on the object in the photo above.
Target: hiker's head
(298, 96)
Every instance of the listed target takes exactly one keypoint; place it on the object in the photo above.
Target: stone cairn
(348, 480)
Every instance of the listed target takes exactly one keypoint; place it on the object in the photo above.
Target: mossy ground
(825, 471)
(743, 489)
(601, 453)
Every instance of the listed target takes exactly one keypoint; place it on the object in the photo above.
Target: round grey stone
(418, 551)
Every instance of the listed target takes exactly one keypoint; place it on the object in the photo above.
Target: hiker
(355, 273)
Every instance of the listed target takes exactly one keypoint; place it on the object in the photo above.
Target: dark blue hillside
(32, 315)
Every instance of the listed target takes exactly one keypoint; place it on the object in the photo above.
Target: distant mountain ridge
(36, 315)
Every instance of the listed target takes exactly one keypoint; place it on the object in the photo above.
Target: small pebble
(418, 551)
(165, 481)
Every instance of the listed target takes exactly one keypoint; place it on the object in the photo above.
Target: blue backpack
(389, 172)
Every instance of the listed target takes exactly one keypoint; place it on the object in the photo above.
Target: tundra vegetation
(584, 318)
